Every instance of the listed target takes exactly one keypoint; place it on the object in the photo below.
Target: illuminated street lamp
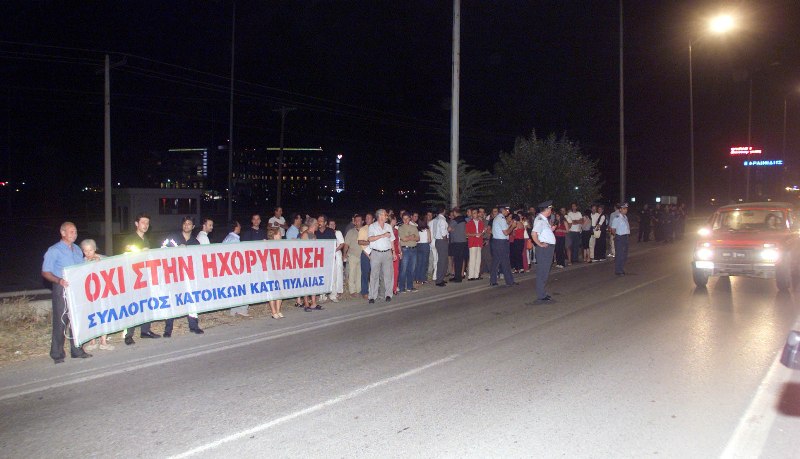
(717, 25)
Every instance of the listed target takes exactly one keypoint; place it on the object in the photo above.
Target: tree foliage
(474, 186)
(541, 169)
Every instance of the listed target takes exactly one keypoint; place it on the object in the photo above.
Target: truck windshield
(751, 220)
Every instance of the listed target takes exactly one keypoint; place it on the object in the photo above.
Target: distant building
(166, 207)
(309, 174)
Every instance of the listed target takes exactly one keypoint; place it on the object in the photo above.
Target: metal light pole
(455, 103)
(749, 139)
(230, 123)
(108, 232)
(622, 113)
(691, 128)
(783, 149)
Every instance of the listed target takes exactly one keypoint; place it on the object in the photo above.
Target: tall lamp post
(717, 25)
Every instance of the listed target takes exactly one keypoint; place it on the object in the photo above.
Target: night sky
(371, 80)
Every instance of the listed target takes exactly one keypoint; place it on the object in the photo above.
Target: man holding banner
(64, 253)
(138, 242)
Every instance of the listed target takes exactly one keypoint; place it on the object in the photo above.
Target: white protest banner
(127, 290)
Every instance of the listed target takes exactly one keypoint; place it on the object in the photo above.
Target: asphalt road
(644, 365)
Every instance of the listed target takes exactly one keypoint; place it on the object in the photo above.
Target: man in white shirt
(441, 237)
(595, 218)
(621, 229)
(575, 221)
(381, 258)
(208, 226)
(544, 241)
(277, 221)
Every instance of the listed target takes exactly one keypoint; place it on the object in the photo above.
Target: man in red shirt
(475, 231)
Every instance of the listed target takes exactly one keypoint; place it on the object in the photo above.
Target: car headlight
(770, 255)
(704, 232)
(704, 253)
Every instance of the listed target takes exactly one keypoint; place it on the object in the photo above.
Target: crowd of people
(387, 253)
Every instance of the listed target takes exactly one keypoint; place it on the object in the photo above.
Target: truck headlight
(704, 232)
(704, 253)
(770, 255)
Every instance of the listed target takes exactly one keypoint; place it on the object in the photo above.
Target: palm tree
(474, 186)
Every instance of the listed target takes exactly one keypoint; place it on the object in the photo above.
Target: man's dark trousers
(365, 268)
(60, 325)
(459, 250)
(622, 242)
(544, 260)
(501, 261)
(442, 261)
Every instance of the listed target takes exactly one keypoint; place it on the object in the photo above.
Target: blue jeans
(407, 266)
(423, 256)
(364, 274)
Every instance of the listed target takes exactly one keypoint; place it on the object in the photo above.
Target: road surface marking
(219, 346)
(756, 423)
(89, 374)
(311, 409)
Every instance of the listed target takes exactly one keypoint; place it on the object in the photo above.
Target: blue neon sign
(764, 162)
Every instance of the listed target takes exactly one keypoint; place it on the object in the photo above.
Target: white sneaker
(107, 347)
(334, 299)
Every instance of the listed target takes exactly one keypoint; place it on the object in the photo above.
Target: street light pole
(749, 139)
(691, 128)
(622, 113)
(454, 131)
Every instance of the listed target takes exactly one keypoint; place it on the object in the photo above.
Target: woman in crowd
(517, 241)
(586, 235)
(601, 234)
(527, 247)
(396, 262)
(274, 233)
(423, 251)
(561, 240)
(310, 301)
(89, 248)
(338, 265)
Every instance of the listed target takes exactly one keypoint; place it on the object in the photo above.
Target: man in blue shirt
(60, 255)
(500, 247)
(621, 230)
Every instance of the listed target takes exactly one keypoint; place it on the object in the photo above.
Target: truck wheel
(700, 277)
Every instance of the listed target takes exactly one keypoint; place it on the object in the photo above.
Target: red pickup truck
(756, 239)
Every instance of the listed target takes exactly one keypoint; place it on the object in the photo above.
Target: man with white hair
(62, 254)
(381, 244)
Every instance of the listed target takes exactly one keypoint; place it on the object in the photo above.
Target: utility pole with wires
(108, 233)
(283, 111)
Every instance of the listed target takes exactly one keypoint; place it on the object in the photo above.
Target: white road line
(61, 380)
(233, 343)
(756, 423)
(311, 409)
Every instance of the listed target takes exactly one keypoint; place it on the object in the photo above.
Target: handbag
(528, 244)
(596, 233)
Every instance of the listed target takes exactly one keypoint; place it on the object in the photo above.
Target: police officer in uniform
(544, 245)
(621, 229)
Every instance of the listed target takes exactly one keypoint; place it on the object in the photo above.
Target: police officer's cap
(622, 204)
(503, 206)
(545, 205)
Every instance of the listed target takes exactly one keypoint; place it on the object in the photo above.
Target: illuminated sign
(764, 162)
(744, 151)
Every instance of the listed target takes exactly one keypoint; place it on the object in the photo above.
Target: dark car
(757, 239)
